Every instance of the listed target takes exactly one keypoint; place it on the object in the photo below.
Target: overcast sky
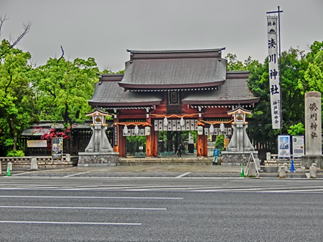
(104, 29)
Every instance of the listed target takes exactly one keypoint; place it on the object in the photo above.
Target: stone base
(308, 160)
(98, 159)
(230, 158)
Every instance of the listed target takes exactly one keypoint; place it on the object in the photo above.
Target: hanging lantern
(125, 130)
(200, 130)
(222, 127)
(211, 129)
(182, 122)
(136, 129)
(147, 130)
(165, 121)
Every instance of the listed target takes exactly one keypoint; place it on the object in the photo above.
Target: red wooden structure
(171, 91)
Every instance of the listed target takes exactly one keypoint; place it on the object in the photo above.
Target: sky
(105, 29)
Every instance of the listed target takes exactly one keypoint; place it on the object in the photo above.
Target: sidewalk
(172, 171)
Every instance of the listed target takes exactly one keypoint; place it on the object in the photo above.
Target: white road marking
(264, 190)
(76, 174)
(88, 197)
(23, 173)
(184, 174)
(85, 208)
(318, 190)
(71, 223)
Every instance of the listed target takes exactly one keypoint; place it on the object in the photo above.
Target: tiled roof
(109, 93)
(174, 69)
(234, 90)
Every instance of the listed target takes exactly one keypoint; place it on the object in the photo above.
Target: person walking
(179, 150)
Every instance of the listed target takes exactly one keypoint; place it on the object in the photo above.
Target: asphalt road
(160, 209)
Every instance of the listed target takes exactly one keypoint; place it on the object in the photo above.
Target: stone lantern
(99, 149)
(240, 141)
(240, 147)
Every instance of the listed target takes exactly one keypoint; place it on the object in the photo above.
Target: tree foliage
(63, 89)
(300, 73)
(16, 96)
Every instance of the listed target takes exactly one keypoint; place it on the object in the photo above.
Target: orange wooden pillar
(152, 144)
(116, 139)
(201, 146)
(121, 142)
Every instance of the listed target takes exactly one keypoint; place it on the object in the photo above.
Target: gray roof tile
(173, 72)
(234, 90)
(109, 93)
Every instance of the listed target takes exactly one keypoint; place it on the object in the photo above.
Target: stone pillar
(34, 164)
(313, 130)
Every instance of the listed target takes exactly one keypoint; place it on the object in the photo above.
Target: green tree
(63, 89)
(313, 74)
(293, 66)
(233, 64)
(16, 97)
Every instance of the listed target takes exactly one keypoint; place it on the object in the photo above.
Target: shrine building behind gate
(188, 90)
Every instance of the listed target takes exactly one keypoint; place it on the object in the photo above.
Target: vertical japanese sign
(274, 86)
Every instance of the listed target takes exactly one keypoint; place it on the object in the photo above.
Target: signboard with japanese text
(274, 75)
(284, 146)
(36, 143)
(57, 148)
(298, 146)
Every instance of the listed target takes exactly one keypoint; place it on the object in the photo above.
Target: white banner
(274, 87)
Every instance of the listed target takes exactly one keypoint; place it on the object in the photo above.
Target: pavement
(173, 171)
(159, 208)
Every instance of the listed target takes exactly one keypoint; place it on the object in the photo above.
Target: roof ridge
(174, 51)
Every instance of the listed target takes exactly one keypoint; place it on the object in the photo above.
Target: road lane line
(93, 197)
(85, 208)
(71, 223)
(23, 173)
(184, 174)
(76, 174)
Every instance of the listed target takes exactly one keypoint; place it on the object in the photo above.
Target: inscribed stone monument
(313, 129)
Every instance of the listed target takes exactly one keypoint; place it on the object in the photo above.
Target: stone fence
(43, 162)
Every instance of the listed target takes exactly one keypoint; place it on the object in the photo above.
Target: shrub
(15, 153)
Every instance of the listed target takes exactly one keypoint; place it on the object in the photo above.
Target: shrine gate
(167, 91)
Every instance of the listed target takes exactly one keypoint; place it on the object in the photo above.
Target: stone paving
(151, 171)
